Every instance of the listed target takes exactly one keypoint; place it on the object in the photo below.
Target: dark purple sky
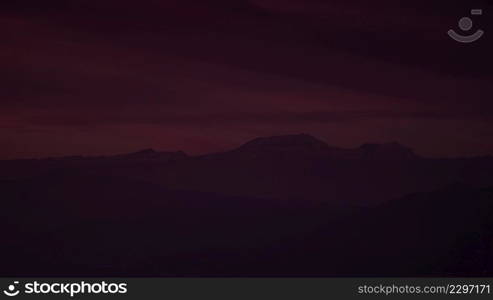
(101, 77)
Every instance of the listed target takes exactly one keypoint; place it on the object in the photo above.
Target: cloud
(237, 66)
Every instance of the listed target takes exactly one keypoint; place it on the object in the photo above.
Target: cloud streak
(255, 67)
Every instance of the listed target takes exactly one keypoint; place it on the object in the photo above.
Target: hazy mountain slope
(84, 225)
(289, 167)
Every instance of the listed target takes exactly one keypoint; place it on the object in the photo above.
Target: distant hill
(276, 206)
(82, 225)
(298, 167)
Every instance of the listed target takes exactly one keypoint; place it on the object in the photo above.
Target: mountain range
(275, 206)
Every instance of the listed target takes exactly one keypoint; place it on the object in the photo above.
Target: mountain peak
(286, 141)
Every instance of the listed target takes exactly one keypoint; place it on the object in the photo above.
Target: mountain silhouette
(297, 167)
(296, 144)
(307, 145)
(275, 206)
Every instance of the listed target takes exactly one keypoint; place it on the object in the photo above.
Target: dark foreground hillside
(135, 215)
